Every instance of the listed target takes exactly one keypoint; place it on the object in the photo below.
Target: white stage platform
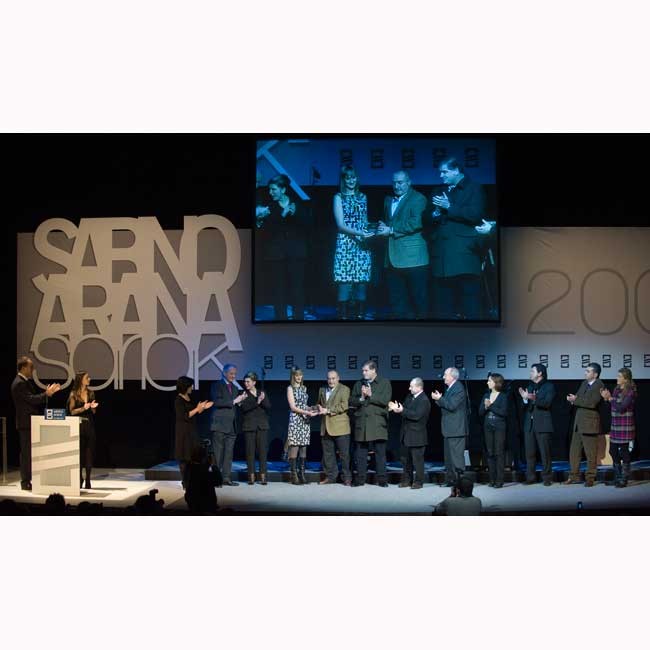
(119, 488)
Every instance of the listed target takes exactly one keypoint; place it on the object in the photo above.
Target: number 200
(557, 299)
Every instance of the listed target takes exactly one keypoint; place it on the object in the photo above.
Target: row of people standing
(369, 402)
(363, 413)
(587, 428)
(452, 260)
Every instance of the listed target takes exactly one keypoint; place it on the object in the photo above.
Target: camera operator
(461, 501)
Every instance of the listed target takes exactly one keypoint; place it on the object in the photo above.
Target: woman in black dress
(81, 402)
(255, 408)
(186, 435)
(494, 408)
(284, 248)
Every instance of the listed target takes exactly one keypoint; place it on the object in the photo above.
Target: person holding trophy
(352, 259)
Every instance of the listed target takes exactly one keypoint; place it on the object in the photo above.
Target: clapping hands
(526, 395)
(441, 201)
(52, 388)
(395, 407)
(202, 406)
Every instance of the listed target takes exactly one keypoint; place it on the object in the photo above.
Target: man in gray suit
(407, 258)
(453, 406)
(224, 395)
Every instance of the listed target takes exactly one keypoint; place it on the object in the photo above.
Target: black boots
(342, 310)
(621, 475)
(294, 473)
(624, 473)
(301, 471)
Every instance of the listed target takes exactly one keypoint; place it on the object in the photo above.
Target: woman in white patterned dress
(352, 259)
(299, 433)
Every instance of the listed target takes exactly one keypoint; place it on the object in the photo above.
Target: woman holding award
(299, 434)
(352, 259)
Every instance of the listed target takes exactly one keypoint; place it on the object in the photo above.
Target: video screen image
(376, 229)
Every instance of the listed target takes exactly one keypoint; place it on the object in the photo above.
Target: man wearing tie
(453, 406)
(586, 426)
(407, 258)
(370, 399)
(335, 428)
(224, 395)
(28, 401)
(413, 434)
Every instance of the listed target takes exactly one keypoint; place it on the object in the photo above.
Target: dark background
(542, 180)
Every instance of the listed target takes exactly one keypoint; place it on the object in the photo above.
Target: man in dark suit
(369, 399)
(224, 434)
(407, 258)
(28, 401)
(455, 247)
(538, 423)
(413, 434)
(586, 426)
(453, 406)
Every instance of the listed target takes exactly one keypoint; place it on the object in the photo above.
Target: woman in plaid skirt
(622, 430)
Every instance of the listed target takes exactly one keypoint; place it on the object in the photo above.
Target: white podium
(55, 456)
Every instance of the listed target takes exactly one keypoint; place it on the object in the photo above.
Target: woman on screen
(186, 411)
(81, 402)
(351, 258)
(299, 433)
(494, 408)
(285, 248)
(623, 429)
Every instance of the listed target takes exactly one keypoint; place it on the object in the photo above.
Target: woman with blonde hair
(299, 432)
(81, 402)
(623, 430)
(352, 259)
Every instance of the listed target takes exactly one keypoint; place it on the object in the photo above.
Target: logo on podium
(55, 414)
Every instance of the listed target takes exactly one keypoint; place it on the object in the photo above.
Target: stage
(119, 488)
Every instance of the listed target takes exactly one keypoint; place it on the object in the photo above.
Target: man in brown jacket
(335, 428)
(407, 258)
(586, 426)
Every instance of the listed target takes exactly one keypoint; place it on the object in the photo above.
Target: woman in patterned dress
(299, 426)
(351, 259)
(623, 430)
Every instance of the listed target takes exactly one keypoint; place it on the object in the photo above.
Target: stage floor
(118, 488)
